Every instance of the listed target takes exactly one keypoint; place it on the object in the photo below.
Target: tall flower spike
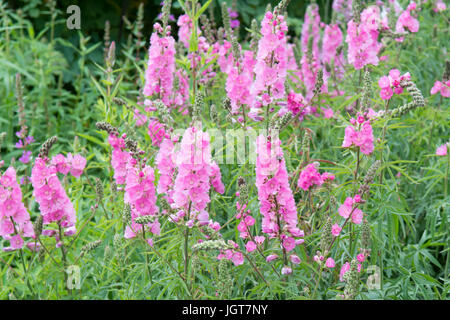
(277, 204)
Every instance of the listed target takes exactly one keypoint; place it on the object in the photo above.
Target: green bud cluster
(327, 237)
(368, 179)
(225, 281)
(89, 247)
(418, 100)
(105, 126)
(126, 215)
(45, 149)
(352, 281)
(99, 190)
(367, 83)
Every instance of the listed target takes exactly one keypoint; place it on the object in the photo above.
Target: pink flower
(345, 267)
(361, 257)
(277, 204)
(362, 138)
(330, 263)
(54, 204)
(405, 20)
(77, 164)
(160, 68)
(335, 230)
(237, 258)
(271, 257)
(328, 113)
(61, 164)
(156, 132)
(346, 208)
(443, 88)
(271, 59)
(250, 246)
(294, 259)
(289, 244)
(16, 242)
(442, 150)
(286, 270)
(362, 38)
(309, 177)
(357, 216)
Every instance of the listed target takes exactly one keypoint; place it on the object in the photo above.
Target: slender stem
(446, 173)
(318, 280)
(255, 268)
(63, 252)
(384, 135)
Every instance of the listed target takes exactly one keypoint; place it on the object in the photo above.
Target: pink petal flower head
(289, 244)
(346, 208)
(442, 150)
(16, 242)
(294, 259)
(237, 258)
(309, 177)
(250, 246)
(271, 257)
(361, 257)
(62, 166)
(330, 263)
(335, 230)
(286, 270)
(77, 164)
(357, 216)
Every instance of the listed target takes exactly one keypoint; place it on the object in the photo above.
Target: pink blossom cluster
(22, 144)
(160, 67)
(271, 60)
(54, 204)
(119, 158)
(296, 104)
(166, 166)
(310, 177)
(359, 134)
(442, 87)
(196, 172)
(349, 207)
(277, 204)
(311, 30)
(156, 131)
(332, 39)
(239, 82)
(73, 164)
(407, 21)
(140, 194)
(343, 7)
(390, 84)
(181, 95)
(440, 6)
(362, 38)
(14, 218)
(234, 254)
(185, 29)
